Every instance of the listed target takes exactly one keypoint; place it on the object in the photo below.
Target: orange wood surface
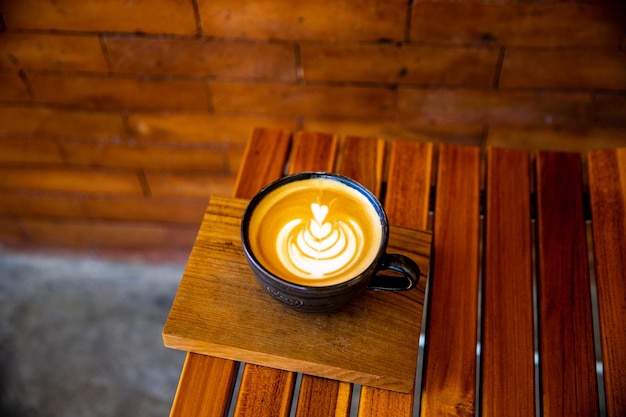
(406, 204)
(607, 187)
(568, 374)
(449, 384)
(507, 334)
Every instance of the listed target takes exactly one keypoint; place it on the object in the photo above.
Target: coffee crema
(315, 232)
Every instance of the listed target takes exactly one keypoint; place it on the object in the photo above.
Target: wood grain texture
(263, 161)
(273, 398)
(221, 310)
(607, 187)
(321, 397)
(205, 386)
(507, 341)
(566, 348)
(408, 188)
(406, 204)
(313, 152)
(212, 397)
(449, 385)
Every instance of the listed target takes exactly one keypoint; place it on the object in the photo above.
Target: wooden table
(511, 291)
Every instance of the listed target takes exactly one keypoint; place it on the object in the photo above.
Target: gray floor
(82, 337)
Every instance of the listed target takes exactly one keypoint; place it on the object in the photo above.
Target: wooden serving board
(221, 310)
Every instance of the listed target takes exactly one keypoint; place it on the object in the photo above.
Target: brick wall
(118, 119)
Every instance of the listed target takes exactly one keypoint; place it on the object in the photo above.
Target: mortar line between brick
(196, 14)
(298, 64)
(409, 21)
(498, 70)
(27, 85)
(105, 54)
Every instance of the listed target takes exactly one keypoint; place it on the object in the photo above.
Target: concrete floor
(82, 337)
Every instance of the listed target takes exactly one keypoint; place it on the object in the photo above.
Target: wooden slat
(265, 392)
(361, 160)
(205, 386)
(271, 388)
(264, 158)
(567, 358)
(607, 187)
(263, 161)
(320, 397)
(406, 204)
(507, 340)
(313, 152)
(449, 385)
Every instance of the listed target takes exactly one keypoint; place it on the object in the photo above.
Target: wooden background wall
(118, 119)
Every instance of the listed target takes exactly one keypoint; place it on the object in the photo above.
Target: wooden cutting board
(221, 310)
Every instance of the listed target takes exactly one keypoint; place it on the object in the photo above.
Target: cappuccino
(315, 232)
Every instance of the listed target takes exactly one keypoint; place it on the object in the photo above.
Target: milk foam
(316, 232)
(315, 248)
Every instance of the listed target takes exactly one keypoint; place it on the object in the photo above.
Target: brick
(11, 232)
(118, 93)
(203, 58)
(298, 100)
(141, 156)
(69, 181)
(308, 20)
(563, 139)
(13, 88)
(408, 130)
(398, 63)
(188, 211)
(159, 17)
(51, 52)
(19, 150)
(536, 24)
(609, 109)
(492, 107)
(22, 205)
(193, 128)
(118, 235)
(573, 69)
(60, 122)
(189, 185)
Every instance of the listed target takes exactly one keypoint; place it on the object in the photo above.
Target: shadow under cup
(294, 278)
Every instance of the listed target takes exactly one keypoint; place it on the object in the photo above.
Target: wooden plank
(566, 348)
(449, 385)
(321, 397)
(507, 339)
(262, 164)
(265, 392)
(406, 204)
(205, 386)
(268, 389)
(607, 187)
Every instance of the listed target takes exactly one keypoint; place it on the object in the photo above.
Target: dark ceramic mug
(314, 240)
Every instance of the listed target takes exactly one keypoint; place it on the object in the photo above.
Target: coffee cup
(314, 240)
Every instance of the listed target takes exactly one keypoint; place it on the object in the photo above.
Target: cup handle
(399, 263)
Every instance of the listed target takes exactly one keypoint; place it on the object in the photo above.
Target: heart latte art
(315, 232)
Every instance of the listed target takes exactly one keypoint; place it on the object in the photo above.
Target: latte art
(315, 232)
(316, 248)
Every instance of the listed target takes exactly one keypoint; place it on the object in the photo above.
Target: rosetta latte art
(319, 248)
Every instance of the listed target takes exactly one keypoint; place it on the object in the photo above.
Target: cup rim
(259, 196)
